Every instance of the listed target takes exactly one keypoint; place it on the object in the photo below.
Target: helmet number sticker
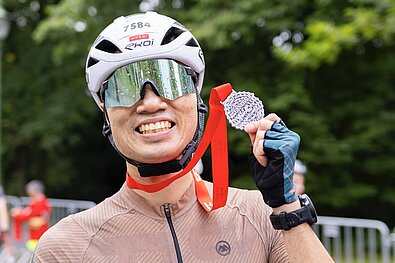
(135, 25)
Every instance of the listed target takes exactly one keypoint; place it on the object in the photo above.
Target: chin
(160, 157)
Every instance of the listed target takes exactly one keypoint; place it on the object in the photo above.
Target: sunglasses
(169, 79)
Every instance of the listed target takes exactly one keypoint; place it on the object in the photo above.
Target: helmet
(141, 37)
(138, 37)
(300, 167)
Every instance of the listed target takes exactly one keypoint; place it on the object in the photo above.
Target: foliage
(324, 66)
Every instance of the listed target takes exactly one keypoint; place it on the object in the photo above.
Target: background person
(36, 214)
(299, 177)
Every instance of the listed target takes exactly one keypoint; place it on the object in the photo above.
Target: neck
(171, 194)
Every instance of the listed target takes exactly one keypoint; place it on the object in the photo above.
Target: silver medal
(242, 108)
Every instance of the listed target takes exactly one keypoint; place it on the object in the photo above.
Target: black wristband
(288, 220)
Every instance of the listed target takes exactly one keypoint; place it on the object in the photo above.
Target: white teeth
(154, 127)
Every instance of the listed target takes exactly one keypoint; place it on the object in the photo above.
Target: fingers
(258, 143)
(256, 131)
(273, 117)
(253, 127)
(257, 148)
(263, 124)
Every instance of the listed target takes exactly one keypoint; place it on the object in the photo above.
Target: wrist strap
(215, 133)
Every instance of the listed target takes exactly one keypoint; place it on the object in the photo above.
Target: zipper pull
(166, 208)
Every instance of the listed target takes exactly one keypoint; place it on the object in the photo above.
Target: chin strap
(215, 133)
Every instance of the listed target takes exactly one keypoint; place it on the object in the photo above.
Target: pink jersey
(126, 228)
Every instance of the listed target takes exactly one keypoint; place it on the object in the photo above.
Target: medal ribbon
(215, 133)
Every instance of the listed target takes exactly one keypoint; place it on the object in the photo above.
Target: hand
(274, 150)
(15, 211)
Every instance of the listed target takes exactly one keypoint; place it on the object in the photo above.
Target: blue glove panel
(275, 181)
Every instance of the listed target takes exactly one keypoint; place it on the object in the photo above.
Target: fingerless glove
(275, 181)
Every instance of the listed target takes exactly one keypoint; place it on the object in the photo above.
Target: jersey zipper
(166, 207)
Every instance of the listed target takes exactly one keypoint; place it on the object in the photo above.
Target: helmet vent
(171, 34)
(192, 43)
(92, 62)
(108, 47)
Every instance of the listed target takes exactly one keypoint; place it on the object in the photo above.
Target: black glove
(275, 180)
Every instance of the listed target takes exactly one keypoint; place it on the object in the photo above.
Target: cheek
(119, 119)
(190, 118)
(118, 116)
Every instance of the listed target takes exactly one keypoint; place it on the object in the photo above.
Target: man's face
(155, 129)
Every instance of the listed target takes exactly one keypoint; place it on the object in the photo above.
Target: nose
(151, 102)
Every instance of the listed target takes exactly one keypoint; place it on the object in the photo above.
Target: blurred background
(325, 66)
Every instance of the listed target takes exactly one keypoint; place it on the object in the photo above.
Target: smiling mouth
(155, 127)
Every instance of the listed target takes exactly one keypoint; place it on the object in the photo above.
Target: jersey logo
(223, 248)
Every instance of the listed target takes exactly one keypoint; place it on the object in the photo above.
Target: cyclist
(145, 72)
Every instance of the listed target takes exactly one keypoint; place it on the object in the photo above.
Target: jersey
(127, 228)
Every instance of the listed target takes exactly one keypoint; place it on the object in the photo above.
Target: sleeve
(278, 252)
(273, 239)
(24, 214)
(66, 241)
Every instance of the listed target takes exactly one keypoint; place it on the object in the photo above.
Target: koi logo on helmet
(140, 44)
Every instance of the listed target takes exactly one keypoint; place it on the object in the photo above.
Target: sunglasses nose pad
(144, 88)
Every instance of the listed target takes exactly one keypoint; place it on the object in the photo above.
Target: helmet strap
(106, 131)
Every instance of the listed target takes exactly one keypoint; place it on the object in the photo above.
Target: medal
(242, 108)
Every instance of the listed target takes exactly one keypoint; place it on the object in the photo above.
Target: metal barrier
(62, 207)
(346, 239)
(356, 240)
(59, 207)
(392, 240)
(13, 201)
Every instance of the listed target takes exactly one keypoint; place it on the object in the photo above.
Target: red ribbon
(215, 133)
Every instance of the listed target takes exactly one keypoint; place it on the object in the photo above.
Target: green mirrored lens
(170, 78)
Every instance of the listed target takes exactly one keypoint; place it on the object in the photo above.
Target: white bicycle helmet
(141, 37)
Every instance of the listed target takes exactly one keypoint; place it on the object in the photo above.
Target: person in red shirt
(37, 214)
